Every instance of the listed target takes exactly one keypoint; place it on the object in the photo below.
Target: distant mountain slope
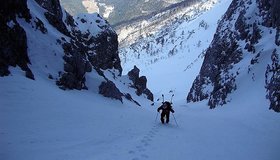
(117, 11)
(73, 7)
(176, 33)
(244, 52)
(147, 25)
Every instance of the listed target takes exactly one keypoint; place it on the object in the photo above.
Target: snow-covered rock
(246, 38)
(42, 39)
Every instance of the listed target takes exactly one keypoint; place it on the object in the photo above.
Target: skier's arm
(172, 110)
(159, 108)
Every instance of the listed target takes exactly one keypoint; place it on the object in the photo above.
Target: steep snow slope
(55, 124)
(72, 125)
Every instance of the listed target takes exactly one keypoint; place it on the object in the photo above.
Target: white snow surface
(40, 121)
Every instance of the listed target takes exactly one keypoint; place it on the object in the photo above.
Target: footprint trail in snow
(140, 151)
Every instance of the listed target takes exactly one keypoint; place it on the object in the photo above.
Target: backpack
(164, 106)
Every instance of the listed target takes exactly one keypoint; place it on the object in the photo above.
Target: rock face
(271, 15)
(270, 12)
(84, 50)
(13, 49)
(87, 50)
(140, 83)
(273, 82)
(242, 27)
(55, 15)
(63, 48)
(106, 56)
(109, 89)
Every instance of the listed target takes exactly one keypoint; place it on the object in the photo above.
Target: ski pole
(171, 98)
(175, 120)
(156, 117)
(162, 98)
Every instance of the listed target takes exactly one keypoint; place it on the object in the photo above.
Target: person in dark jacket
(166, 109)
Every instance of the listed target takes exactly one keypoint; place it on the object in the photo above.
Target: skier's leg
(162, 118)
(167, 117)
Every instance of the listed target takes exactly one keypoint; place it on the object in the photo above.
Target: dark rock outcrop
(75, 68)
(13, 48)
(128, 97)
(76, 65)
(140, 83)
(134, 74)
(55, 15)
(270, 11)
(272, 80)
(149, 94)
(109, 89)
(106, 50)
(80, 58)
(85, 50)
(217, 77)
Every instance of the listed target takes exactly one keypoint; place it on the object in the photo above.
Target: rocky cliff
(42, 39)
(248, 30)
(13, 38)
